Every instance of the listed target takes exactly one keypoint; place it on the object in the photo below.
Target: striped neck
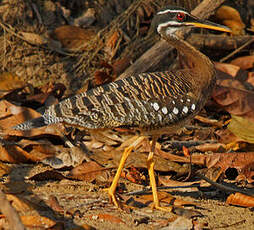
(202, 72)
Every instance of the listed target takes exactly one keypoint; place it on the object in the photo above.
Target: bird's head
(168, 21)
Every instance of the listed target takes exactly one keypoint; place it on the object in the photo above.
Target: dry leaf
(166, 198)
(101, 77)
(33, 38)
(13, 154)
(234, 98)
(240, 199)
(19, 204)
(231, 18)
(47, 175)
(245, 62)
(37, 222)
(251, 78)
(25, 151)
(227, 136)
(4, 169)
(242, 128)
(10, 81)
(214, 147)
(112, 44)
(73, 37)
(53, 203)
(166, 181)
(133, 175)
(87, 171)
(227, 68)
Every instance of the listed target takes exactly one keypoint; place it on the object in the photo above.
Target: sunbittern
(152, 103)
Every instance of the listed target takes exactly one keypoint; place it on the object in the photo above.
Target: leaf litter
(71, 178)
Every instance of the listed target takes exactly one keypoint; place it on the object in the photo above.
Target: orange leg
(150, 167)
(112, 189)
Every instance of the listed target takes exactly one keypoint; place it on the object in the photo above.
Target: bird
(153, 103)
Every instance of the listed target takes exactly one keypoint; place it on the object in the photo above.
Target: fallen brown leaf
(231, 18)
(33, 38)
(19, 204)
(54, 204)
(10, 81)
(214, 147)
(73, 37)
(14, 154)
(87, 171)
(226, 136)
(240, 199)
(227, 68)
(166, 198)
(4, 169)
(245, 62)
(242, 128)
(112, 43)
(234, 98)
(47, 175)
(37, 221)
(165, 181)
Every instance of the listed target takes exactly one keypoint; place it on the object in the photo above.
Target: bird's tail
(31, 124)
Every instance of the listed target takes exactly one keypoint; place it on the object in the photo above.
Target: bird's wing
(145, 100)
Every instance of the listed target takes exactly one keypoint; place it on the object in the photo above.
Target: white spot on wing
(164, 110)
(185, 109)
(156, 106)
(175, 110)
(193, 106)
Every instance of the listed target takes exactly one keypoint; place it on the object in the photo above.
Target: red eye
(180, 16)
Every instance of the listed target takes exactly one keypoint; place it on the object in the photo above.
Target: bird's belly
(165, 129)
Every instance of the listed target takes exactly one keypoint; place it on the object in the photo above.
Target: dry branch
(161, 49)
(218, 41)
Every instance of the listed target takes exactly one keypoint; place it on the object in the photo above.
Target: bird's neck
(202, 71)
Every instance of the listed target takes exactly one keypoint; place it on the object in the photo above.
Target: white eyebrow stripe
(172, 11)
(166, 24)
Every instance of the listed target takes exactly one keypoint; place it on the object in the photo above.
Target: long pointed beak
(209, 25)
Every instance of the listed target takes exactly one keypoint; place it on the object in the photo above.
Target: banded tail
(36, 123)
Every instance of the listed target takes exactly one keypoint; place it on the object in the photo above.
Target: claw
(112, 189)
(112, 197)
(164, 209)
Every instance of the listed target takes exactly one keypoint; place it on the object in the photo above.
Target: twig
(148, 190)
(237, 50)
(224, 187)
(218, 41)
(10, 213)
